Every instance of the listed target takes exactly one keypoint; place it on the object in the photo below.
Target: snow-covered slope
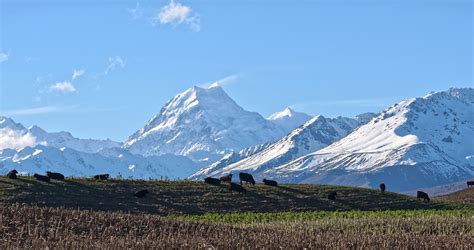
(315, 134)
(37, 135)
(288, 119)
(114, 161)
(420, 142)
(203, 124)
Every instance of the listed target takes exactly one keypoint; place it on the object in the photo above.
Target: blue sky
(101, 69)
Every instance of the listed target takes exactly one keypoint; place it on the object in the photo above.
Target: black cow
(212, 181)
(270, 182)
(42, 178)
(102, 177)
(55, 176)
(470, 183)
(382, 188)
(12, 174)
(141, 194)
(237, 187)
(227, 178)
(332, 196)
(248, 178)
(422, 195)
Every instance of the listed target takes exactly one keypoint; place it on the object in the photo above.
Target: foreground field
(181, 197)
(32, 227)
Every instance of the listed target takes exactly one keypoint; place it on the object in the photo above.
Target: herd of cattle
(243, 177)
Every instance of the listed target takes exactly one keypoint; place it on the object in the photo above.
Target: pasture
(181, 214)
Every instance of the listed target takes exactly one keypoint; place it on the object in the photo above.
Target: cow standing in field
(423, 195)
(470, 183)
(248, 178)
(237, 187)
(332, 196)
(270, 182)
(42, 178)
(102, 177)
(12, 174)
(227, 178)
(212, 181)
(382, 188)
(55, 176)
(141, 194)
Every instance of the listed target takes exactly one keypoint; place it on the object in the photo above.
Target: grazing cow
(102, 177)
(12, 174)
(422, 195)
(227, 178)
(141, 194)
(55, 176)
(470, 183)
(248, 178)
(332, 196)
(270, 182)
(237, 187)
(212, 181)
(42, 178)
(382, 188)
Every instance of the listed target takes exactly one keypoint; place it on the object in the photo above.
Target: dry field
(32, 227)
(93, 214)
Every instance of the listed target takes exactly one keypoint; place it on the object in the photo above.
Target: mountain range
(417, 143)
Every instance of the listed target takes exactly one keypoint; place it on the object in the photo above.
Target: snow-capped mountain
(203, 124)
(36, 135)
(114, 161)
(315, 134)
(417, 143)
(288, 119)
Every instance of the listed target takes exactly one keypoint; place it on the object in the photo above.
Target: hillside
(198, 198)
(465, 196)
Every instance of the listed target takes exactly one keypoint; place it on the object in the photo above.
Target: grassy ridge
(186, 197)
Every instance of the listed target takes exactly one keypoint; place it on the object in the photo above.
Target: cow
(470, 183)
(382, 188)
(42, 178)
(141, 194)
(55, 176)
(212, 181)
(12, 174)
(248, 178)
(270, 182)
(237, 187)
(102, 177)
(332, 196)
(422, 195)
(226, 178)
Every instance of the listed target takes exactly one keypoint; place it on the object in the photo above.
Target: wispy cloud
(38, 110)
(77, 73)
(175, 14)
(15, 139)
(115, 62)
(224, 81)
(136, 12)
(64, 87)
(4, 57)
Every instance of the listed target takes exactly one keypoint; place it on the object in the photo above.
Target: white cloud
(77, 73)
(65, 87)
(224, 81)
(114, 63)
(4, 57)
(15, 140)
(137, 12)
(37, 111)
(175, 14)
